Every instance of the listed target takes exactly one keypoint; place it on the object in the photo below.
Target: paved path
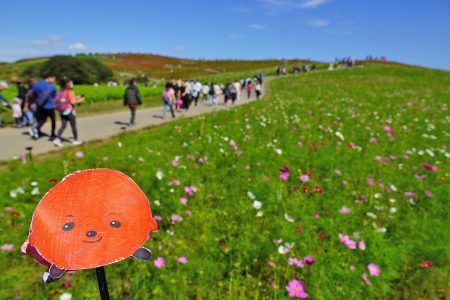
(14, 141)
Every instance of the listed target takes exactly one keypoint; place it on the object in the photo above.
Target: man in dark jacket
(132, 98)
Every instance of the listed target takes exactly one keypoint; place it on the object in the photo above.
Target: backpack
(61, 103)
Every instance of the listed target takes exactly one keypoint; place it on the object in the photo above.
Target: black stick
(102, 285)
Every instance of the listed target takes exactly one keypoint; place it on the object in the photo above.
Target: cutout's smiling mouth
(96, 241)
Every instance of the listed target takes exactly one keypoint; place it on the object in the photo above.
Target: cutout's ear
(142, 254)
(53, 273)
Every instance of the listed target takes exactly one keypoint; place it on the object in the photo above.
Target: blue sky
(416, 32)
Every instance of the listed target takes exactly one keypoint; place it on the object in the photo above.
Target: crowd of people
(181, 94)
(40, 100)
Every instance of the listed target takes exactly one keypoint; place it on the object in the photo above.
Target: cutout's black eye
(115, 224)
(68, 226)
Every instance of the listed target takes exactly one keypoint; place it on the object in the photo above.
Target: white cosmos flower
(250, 195)
(289, 218)
(393, 210)
(34, 183)
(35, 191)
(259, 214)
(286, 248)
(65, 296)
(159, 174)
(257, 204)
(279, 151)
(119, 144)
(13, 194)
(340, 135)
(371, 215)
(157, 202)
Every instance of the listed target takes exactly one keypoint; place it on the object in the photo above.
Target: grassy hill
(163, 67)
(332, 173)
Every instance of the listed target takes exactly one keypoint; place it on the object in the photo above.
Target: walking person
(17, 112)
(205, 92)
(212, 95)
(43, 93)
(22, 92)
(169, 99)
(186, 95)
(132, 98)
(3, 101)
(249, 89)
(196, 90)
(65, 102)
(258, 89)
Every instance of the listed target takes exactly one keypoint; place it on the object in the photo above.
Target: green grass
(227, 245)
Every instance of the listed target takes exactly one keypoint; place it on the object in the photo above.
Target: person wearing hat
(3, 101)
(17, 112)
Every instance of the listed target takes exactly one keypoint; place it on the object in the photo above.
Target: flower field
(335, 186)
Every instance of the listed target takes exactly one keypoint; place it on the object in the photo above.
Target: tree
(80, 70)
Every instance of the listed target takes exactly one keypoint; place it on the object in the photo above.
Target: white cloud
(77, 47)
(318, 23)
(257, 26)
(314, 3)
(49, 41)
(180, 49)
(294, 4)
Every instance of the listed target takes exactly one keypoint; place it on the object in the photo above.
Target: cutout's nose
(91, 233)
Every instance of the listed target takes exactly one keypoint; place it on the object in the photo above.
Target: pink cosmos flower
(233, 144)
(387, 128)
(345, 210)
(188, 213)
(176, 218)
(317, 216)
(429, 167)
(304, 178)
(203, 160)
(370, 181)
(188, 190)
(276, 242)
(270, 264)
(182, 260)
(428, 194)
(174, 182)
(8, 208)
(295, 262)
(184, 200)
(285, 172)
(105, 158)
(7, 247)
(175, 163)
(374, 270)
(141, 159)
(79, 154)
(338, 172)
(238, 153)
(345, 239)
(373, 140)
(410, 194)
(248, 126)
(390, 134)
(365, 279)
(159, 262)
(157, 218)
(420, 176)
(296, 289)
(362, 245)
(309, 260)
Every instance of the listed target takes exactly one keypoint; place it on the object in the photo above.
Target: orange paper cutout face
(90, 219)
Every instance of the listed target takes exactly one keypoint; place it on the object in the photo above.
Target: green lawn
(361, 136)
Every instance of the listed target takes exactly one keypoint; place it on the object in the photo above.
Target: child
(17, 112)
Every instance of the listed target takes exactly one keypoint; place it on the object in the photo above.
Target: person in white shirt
(258, 89)
(17, 112)
(205, 92)
(237, 85)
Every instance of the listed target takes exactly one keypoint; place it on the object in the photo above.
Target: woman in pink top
(68, 115)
